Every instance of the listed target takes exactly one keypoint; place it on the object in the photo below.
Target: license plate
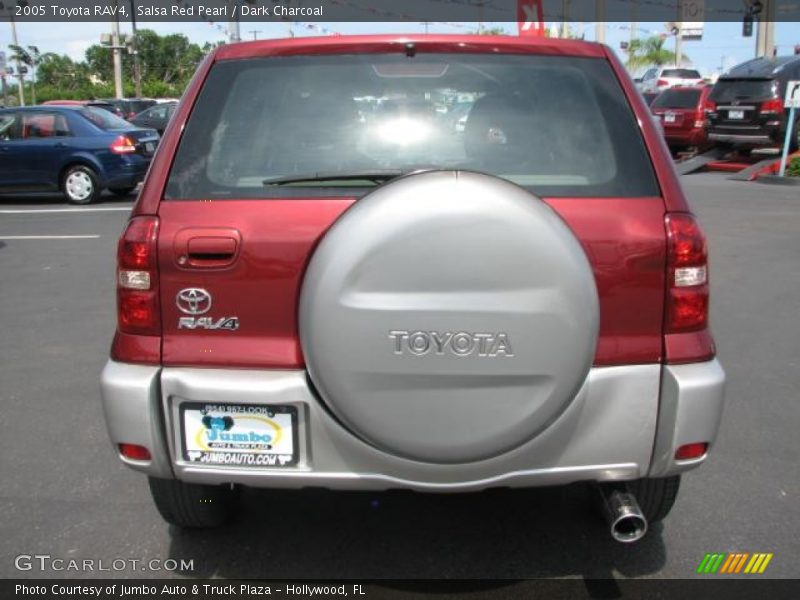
(150, 147)
(736, 114)
(669, 117)
(239, 435)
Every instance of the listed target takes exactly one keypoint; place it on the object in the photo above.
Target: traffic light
(747, 25)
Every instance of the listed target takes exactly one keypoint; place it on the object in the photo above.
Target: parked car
(95, 103)
(128, 108)
(746, 104)
(658, 79)
(79, 150)
(311, 299)
(156, 117)
(682, 112)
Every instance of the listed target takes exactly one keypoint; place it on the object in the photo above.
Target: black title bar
(68, 11)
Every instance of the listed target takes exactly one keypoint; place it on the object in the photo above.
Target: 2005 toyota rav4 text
(437, 263)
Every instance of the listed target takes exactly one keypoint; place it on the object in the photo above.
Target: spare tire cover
(448, 317)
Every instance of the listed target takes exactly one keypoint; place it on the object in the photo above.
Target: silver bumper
(741, 138)
(625, 423)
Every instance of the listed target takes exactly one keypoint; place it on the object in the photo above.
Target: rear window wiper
(374, 175)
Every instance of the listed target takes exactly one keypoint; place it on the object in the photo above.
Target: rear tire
(193, 505)
(121, 191)
(79, 185)
(656, 496)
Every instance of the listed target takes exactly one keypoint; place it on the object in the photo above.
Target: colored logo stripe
(734, 562)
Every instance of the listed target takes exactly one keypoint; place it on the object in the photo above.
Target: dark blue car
(79, 150)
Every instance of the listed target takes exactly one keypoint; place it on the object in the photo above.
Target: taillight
(134, 452)
(138, 310)
(687, 275)
(662, 83)
(123, 145)
(691, 451)
(772, 106)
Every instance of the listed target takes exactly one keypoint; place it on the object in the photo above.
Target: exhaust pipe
(628, 523)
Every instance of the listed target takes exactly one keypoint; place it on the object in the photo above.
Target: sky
(722, 45)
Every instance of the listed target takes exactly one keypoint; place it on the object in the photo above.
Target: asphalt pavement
(65, 494)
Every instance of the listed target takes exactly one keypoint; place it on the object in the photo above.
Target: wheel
(79, 185)
(193, 505)
(122, 191)
(656, 496)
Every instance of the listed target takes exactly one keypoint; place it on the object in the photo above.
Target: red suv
(324, 284)
(682, 112)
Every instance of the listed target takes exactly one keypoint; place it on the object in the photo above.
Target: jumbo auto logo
(197, 301)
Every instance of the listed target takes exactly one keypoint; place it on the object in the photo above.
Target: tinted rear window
(742, 89)
(104, 119)
(677, 99)
(559, 126)
(681, 73)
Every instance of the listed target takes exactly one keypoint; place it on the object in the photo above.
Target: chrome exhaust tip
(627, 522)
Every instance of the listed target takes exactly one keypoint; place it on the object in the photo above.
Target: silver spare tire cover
(448, 317)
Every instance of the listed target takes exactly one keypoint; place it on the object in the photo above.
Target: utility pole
(20, 77)
(137, 70)
(234, 32)
(679, 45)
(564, 19)
(634, 23)
(116, 49)
(255, 33)
(765, 34)
(600, 24)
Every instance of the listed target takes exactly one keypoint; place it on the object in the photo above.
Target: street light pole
(765, 33)
(600, 24)
(234, 32)
(137, 71)
(20, 78)
(115, 48)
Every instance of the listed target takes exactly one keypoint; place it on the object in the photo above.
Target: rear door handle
(207, 248)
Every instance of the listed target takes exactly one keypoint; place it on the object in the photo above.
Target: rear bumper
(748, 135)
(128, 173)
(625, 423)
(695, 137)
(740, 138)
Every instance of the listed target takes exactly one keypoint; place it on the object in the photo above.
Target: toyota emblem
(193, 301)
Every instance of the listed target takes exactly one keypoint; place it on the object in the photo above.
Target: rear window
(104, 119)
(137, 106)
(558, 126)
(726, 90)
(677, 99)
(681, 73)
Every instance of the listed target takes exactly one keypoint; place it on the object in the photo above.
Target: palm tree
(650, 52)
(30, 57)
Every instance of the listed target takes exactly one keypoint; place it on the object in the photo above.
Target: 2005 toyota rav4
(325, 283)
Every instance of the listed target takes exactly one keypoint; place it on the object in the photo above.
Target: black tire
(79, 185)
(656, 496)
(122, 191)
(192, 505)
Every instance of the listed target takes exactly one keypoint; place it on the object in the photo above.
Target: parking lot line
(26, 211)
(49, 237)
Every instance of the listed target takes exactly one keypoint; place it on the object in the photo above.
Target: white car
(658, 79)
